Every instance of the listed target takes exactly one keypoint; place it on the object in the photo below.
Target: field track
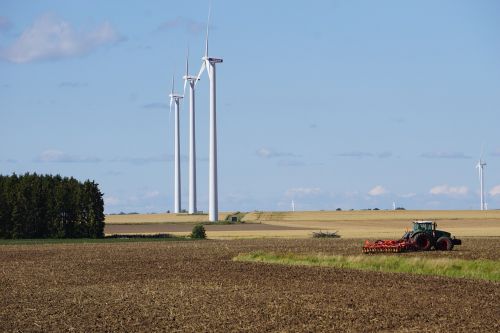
(196, 287)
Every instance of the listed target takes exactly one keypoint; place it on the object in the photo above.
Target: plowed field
(196, 287)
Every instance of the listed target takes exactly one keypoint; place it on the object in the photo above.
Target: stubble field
(195, 286)
(349, 224)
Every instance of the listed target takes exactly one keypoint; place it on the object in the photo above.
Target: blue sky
(350, 104)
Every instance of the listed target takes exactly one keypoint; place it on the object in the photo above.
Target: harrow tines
(387, 246)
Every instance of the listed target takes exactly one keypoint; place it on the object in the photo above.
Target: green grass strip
(456, 268)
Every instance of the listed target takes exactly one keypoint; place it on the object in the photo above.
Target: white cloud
(111, 201)
(449, 190)
(303, 192)
(50, 37)
(495, 191)
(377, 190)
(264, 152)
(57, 156)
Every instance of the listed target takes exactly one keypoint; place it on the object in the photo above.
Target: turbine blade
(170, 112)
(172, 93)
(201, 72)
(207, 65)
(187, 62)
(208, 29)
(187, 72)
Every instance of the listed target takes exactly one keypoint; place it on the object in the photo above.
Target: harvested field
(350, 224)
(319, 216)
(304, 229)
(374, 215)
(196, 287)
(159, 218)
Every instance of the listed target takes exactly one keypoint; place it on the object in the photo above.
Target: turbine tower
(192, 138)
(175, 98)
(209, 64)
(480, 165)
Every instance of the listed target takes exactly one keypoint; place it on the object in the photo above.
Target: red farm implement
(394, 246)
(423, 237)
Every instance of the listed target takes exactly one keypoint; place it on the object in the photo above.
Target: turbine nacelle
(191, 78)
(205, 63)
(212, 60)
(175, 96)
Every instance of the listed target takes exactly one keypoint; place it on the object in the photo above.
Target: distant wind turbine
(480, 165)
(175, 98)
(209, 64)
(192, 138)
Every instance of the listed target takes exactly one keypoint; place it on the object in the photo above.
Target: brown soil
(187, 227)
(196, 287)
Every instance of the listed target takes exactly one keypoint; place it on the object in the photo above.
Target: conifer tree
(38, 206)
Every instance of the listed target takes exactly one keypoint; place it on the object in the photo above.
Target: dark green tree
(38, 206)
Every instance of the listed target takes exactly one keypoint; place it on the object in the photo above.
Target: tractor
(423, 237)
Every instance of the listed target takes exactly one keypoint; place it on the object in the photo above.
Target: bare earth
(153, 228)
(196, 287)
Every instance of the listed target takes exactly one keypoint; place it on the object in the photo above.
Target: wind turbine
(175, 98)
(480, 165)
(192, 143)
(209, 64)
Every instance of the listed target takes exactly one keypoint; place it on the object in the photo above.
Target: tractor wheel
(444, 244)
(423, 242)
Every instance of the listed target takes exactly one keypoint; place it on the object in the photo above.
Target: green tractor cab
(426, 236)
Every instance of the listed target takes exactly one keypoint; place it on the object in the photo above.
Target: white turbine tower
(192, 138)
(480, 165)
(177, 161)
(209, 64)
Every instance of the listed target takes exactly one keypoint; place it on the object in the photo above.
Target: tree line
(46, 206)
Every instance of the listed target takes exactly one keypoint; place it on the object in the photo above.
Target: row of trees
(45, 206)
